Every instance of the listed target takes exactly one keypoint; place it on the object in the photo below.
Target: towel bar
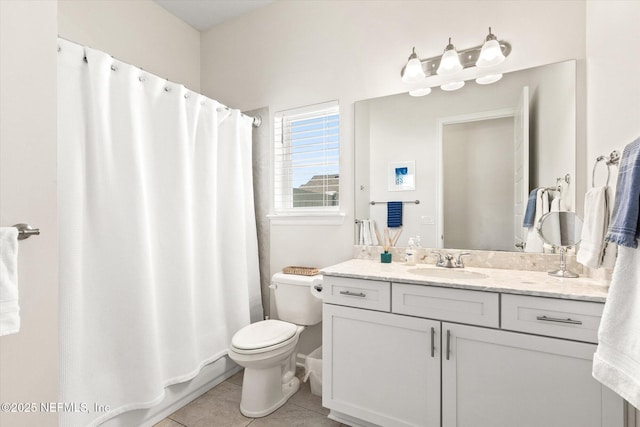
(613, 159)
(25, 231)
(417, 202)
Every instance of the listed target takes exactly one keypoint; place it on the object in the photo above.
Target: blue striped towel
(394, 214)
(624, 228)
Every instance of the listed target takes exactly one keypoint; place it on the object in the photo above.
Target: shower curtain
(158, 245)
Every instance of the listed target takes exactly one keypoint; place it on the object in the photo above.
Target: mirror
(468, 157)
(561, 230)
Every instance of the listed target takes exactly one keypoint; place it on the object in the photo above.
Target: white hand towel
(616, 362)
(534, 241)
(597, 212)
(9, 309)
(372, 232)
(366, 232)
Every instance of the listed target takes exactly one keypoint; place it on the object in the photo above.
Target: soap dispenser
(410, 253)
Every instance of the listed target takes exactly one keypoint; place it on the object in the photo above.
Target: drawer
(369, 294)
(453, 305)
(575, 320)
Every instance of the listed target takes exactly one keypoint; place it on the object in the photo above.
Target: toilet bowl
(268, 349)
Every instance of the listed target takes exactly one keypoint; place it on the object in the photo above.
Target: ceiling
(204, 14)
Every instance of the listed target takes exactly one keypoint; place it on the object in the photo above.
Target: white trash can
(313, 370)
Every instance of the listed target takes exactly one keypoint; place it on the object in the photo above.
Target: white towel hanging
(9, 308)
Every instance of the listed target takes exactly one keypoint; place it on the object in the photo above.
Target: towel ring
(595, 166)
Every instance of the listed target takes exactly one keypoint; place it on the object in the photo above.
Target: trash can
(313, 371)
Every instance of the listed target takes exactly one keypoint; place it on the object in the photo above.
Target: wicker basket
(301, 271)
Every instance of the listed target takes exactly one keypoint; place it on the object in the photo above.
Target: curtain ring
(167, 89)
(114, 68)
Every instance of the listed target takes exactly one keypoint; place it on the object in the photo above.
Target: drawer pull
(433, 342)
(353, 294)
(557, 320)
(448, 343)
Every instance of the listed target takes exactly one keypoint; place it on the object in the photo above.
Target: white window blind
(307, 159)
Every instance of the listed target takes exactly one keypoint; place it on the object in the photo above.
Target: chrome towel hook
(25, 231)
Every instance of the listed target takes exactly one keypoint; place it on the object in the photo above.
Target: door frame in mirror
(440, 124)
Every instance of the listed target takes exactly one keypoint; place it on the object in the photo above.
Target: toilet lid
(263, 334)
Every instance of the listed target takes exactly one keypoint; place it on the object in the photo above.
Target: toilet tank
(294, 299)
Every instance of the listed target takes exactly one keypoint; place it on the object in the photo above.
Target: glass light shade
(449, 63)
(452, 86)
(420, 92)
(491, 54)
(413, 72)
(486, 80)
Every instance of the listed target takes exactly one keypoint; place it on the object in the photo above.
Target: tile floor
(220, 407)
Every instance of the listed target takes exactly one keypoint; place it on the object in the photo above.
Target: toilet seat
(264, 336)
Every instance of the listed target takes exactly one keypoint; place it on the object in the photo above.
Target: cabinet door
(494, 378)
(381, 368)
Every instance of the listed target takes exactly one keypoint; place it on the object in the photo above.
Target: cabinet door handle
(448, 343)
(558, 320)
(353, 294)
(433, 342)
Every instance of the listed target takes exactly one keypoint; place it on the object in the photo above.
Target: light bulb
(413, 71)
(491, 53)
(450, 62)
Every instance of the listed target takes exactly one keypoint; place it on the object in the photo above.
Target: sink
(453, 273)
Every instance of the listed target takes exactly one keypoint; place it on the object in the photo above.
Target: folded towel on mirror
(624, 229)
(597, 212)
(394, 214)
(9, 308)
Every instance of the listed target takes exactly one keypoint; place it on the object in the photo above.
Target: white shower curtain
(158, 245)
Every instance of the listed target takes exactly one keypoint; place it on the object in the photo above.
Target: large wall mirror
(472, 157)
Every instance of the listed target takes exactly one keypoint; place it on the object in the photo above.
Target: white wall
(290, 54)
(138, 32)
(613, 89)
(28, 55)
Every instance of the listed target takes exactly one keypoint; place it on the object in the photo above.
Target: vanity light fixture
(450, 62)
(492, 52)
(413, 72)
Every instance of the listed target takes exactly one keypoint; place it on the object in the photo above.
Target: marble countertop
(534, 283)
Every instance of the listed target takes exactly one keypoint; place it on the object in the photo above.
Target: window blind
(307, 158)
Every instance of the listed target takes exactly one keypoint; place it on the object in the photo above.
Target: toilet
(267, 349)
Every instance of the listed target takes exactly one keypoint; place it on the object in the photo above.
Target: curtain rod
(256, 120)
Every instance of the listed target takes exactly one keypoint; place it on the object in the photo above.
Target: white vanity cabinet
(505, 379)
(399, 354)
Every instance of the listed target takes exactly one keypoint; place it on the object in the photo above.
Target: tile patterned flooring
(220, 407)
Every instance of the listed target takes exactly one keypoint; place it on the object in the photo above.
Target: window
(307, 159)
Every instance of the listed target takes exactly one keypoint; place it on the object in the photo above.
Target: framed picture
(402, 176)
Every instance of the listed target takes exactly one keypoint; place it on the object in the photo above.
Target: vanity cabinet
(381, 367)
(438, 356)
(505, 379)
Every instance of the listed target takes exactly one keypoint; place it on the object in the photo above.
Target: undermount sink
(448, 273)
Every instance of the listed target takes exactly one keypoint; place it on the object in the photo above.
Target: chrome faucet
(449, 261)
